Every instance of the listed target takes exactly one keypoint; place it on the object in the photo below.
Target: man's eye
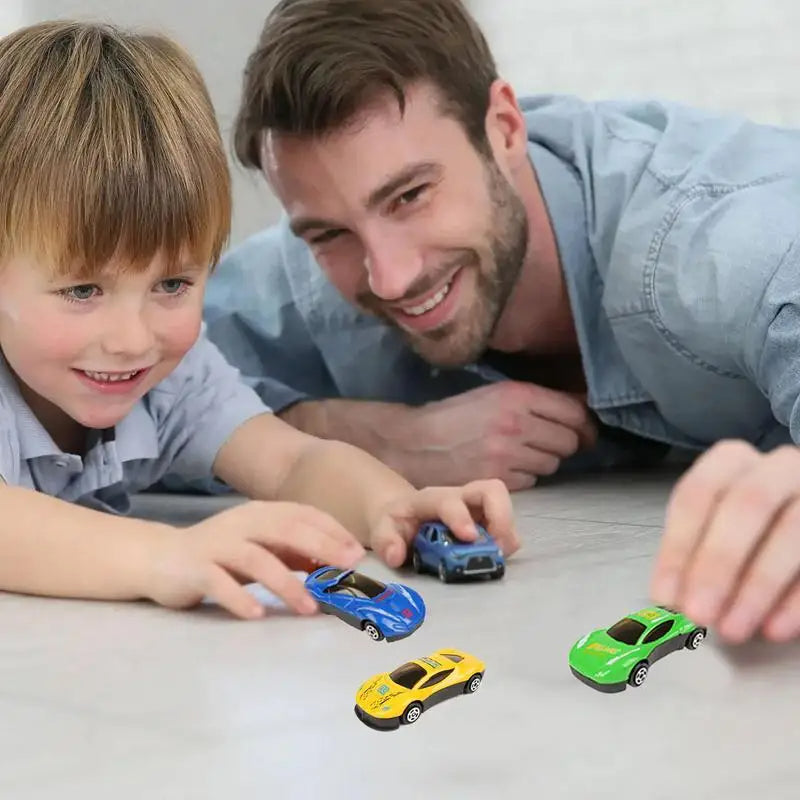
(411, 195)
(326, 236)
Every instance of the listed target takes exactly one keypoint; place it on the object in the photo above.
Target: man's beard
(464, 339)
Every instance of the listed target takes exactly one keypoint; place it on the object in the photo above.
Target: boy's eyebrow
(413, 172)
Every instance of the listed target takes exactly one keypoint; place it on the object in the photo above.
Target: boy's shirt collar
(134, 437)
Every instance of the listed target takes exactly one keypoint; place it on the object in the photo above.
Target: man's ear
(505, 126)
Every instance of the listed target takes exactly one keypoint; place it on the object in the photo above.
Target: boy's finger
(265, 568)
(227, 592)
(388, 544)
(308, 541)
(493, 497)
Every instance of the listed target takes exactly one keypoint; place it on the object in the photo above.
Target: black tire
(416, 562)
(498, 573)
(695, 638)
(411, 714)
(639, 674)
(444, 575)
(372, 630)
(474, 683)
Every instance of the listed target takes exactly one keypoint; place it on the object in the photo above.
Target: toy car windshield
(627, 631)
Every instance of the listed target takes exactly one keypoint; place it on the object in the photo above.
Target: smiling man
(631, 266)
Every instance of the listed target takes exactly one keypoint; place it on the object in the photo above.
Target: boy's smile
(84, 351)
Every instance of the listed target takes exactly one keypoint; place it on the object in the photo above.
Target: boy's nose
(128, 335)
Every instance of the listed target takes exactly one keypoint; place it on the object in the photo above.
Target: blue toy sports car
(435, 548)
(383, 611)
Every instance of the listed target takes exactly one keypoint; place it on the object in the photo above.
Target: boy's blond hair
(109, 149)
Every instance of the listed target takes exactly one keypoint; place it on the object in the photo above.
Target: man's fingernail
(739, 624)
(782, 626)
(703, 605)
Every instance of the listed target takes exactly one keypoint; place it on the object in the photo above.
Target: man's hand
(510, 430)
(485, 502)
(253, 542)
(730, 555)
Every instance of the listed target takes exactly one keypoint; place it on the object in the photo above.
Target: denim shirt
(677, 232)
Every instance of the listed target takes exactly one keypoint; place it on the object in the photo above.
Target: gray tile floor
(132, 701)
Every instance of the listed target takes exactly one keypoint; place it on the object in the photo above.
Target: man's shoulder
(269, 267)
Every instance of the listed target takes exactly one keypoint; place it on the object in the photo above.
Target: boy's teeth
(110, 377)
(430, 303)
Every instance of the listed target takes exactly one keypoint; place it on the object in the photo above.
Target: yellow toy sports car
(390, 699)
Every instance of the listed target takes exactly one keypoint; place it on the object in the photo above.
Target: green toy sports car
(611, 659)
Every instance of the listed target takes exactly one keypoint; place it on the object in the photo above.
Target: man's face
(408, 221)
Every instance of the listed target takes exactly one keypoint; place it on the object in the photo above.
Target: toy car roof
(653, 615)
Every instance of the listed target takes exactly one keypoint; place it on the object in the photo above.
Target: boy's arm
(267, 459)
(51, 547)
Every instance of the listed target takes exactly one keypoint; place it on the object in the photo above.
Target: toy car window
(408, 675)
(437, 678)
(361, 583)
(453, 657)
(658, 632)
(627, 631)
(329, 575)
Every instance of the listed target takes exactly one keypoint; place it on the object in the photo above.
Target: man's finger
(741, 520)
(690, 508)
(783, 624)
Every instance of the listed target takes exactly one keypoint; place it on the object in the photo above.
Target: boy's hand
(486, 502)
(253, 542)
(730, 555)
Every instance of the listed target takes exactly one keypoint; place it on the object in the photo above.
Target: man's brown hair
(319, 62)
(109, 149)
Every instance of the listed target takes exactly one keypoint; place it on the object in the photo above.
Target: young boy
(114, 201)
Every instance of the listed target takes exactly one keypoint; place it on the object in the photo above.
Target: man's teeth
(430, 303)
(111, 377)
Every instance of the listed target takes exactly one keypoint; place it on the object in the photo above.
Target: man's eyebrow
(422, 169)
(406, 175)
(302, 225)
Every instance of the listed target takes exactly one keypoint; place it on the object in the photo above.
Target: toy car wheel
(416, 561)
(639, 674)
(411, 714)
(473, 684)
(373, 631)
(444, 575)
(499, 572)
(695, 639)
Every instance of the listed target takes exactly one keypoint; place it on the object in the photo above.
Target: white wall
(727, 54)
(739, 55)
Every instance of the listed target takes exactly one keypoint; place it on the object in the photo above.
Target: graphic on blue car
(388, 611)
(436, 549)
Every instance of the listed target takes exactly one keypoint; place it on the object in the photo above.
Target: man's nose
(392, 266)
(128, 333)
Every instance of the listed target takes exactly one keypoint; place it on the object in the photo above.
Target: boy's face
(93, 348)
(409, 221)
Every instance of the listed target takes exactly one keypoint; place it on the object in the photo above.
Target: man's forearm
(51, 547)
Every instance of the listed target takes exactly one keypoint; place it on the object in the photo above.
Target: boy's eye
(173, 285)
(79, 293)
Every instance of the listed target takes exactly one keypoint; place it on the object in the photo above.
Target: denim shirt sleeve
(773, 346)
(255, 320)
